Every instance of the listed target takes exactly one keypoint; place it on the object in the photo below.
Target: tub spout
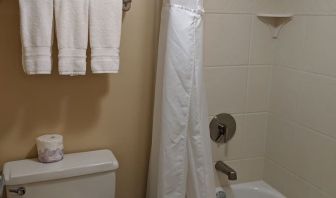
(227, 170)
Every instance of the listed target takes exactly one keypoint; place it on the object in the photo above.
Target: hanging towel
(36, 35)
(105, 31)
(72, 35)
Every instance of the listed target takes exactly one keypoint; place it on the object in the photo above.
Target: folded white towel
(36, 35)
(72, 35)
(105, 31)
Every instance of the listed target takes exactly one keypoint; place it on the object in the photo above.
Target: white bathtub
(257, 189)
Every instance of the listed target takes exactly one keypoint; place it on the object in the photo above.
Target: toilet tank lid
(75, 164)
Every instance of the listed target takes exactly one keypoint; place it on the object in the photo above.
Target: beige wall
(92, 111)
(301, 142)
(239, 53)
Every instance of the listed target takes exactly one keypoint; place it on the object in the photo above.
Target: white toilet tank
(78, 175)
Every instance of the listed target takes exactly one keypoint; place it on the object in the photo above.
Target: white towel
(105, 31)
(72, 35)
(36, 35)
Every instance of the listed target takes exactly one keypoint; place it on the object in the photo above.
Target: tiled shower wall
(301, 143)
(238, 62)
(282, 92)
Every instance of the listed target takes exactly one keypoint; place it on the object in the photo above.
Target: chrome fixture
(222, 128)
(19, 191)
(127, 5)
(227, 170)
(221, 194)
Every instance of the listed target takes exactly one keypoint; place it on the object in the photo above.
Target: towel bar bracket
(127, 5)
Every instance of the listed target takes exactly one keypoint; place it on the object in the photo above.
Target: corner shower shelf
(278, 21)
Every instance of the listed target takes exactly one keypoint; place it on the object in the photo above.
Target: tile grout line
(300, 124)
(247, 158)
(304, 180)
(238, 65)
(307, 72)
(223, 12)
(244, 113)
(251, 29)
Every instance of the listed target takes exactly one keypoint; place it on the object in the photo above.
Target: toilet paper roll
(50, 148)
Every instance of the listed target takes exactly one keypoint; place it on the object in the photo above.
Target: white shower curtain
(181, 163)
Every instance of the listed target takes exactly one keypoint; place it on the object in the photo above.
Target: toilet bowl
(78, 175)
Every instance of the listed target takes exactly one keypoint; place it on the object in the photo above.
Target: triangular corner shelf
(279, 20)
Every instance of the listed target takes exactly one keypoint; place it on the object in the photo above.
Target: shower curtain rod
(127, 5)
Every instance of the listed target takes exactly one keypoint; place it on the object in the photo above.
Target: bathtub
(257, 189)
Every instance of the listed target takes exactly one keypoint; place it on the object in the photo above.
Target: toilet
(78, 175)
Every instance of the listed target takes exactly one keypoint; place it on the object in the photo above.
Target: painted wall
(92, 111)
(239, 52)
(301, 143)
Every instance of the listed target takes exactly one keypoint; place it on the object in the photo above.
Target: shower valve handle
(222, 133)
(222, 128)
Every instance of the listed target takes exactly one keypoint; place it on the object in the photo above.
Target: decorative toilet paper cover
(48, 155)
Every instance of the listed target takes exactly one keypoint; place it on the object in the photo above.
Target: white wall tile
(262, 43)
(242, 6)
(285, 91)
(268, 6)
(301, 140)
(258, 88)
(300, 144)
(308, 154)
(288, 183)
(226, 40)
(320, 44)
(226, 89)
(280, 144)
(274, 176)
(321, 6)
(300, 160)
(290, 44)
(316, 106)
(317, 159)
(227, 55)
(255, 130)
(291, 6)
